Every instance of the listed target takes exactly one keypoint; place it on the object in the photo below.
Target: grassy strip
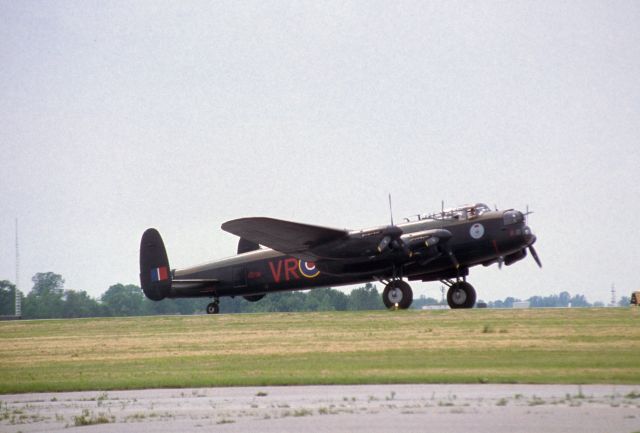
(510, 346)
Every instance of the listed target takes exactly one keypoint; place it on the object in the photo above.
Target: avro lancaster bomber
(275, 255)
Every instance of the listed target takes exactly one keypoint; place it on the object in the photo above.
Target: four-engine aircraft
(275, 255)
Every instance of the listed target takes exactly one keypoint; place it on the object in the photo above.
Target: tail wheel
(213, 308)
(461, 295)
(399, 293)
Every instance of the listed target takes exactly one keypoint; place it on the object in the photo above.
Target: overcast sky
(118, 116)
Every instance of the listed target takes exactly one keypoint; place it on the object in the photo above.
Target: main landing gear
(460, 294)
(397, 294)
(214, 307)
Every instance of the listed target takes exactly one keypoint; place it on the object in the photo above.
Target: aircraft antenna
(526, 214)
(390, 209)
(18, 300)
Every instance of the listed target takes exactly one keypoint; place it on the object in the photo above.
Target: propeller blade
(384, 243)
(534, 254)
(500, 262)
(399, 244)
(453, 258)
(406, 249)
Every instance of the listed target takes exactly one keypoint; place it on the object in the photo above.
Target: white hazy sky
(118, 116)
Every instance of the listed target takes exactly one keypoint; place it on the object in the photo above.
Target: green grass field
(447, 346)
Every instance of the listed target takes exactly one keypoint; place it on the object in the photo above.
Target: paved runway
(366, 408)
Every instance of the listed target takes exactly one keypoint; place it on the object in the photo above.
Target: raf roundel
(308, 269)
(476, 231)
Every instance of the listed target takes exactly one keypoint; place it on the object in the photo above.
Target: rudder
(155, 274)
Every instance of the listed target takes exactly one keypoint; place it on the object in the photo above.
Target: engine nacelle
(517, 256)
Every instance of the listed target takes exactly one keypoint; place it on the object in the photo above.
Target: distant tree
(45, 300)
(624, 301)
(325, 300)
(563, 299)
(183, 306)
(508, 301)
(80, 304)
(188, 305)
(423, 301)
(287, 301)
(121, 300)
(365, 298)
(47, 282)
(230, 305)
(7, 298)
(579, 301)
(156, 308)
(272, 302)
(544, 301)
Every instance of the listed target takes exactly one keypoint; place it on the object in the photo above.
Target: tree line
(49, 299)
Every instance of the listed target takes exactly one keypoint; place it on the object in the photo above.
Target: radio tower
(18, 305)
(613, 295)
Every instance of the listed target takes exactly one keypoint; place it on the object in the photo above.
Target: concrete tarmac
(364, 408)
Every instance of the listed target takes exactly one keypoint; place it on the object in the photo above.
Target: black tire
(397, 292)
(461, 295)
(213, 308)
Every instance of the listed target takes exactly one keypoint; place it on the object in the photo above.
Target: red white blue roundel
(308, 269)
(476, 231)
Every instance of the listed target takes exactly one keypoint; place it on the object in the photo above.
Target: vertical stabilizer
(155, 274)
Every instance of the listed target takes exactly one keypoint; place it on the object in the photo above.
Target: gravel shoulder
(365, 408)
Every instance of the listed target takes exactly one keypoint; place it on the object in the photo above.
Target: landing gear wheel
(399, 293)
(213, 308)
(461, 295)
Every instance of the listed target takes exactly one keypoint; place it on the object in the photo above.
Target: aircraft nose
(529, 237)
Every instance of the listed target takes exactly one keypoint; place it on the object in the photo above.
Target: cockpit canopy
(466, 212)
(460, 213)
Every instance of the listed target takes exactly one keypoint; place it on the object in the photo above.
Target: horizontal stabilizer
(284, 236)
(194, 284)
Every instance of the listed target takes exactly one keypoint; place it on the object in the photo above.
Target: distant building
(521, 304)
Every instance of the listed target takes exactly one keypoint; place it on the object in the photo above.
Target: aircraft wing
(284, 236)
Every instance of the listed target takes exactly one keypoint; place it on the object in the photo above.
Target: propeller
(399, 244)
(452, 257)
(534, 254)
(384, 243)
(532, 250)
(392, 241)
(392, 238)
